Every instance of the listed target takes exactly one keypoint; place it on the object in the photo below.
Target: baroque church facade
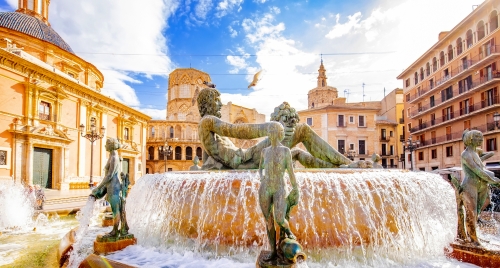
(48, 92)
(179, 130)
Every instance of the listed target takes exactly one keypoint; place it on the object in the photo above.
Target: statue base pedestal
(278, 263)
(93, 261)
(108, 220)
(105, 245)
(473, 254)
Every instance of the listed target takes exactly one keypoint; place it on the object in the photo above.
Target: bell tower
(322, 75)
(36, 8)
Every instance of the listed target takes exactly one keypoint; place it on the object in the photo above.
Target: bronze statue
(473, 191)
(195, 166)
(275, 160)
(114, 189)
(220, 152)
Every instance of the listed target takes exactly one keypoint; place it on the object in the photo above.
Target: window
(409, 127)
(447, 113)
(446, 93)
(391, 150)
(199, 153)
(407, 82)
(450, 53)
(151, 153)
(391, 133)
(126, 134)
(489, 97)
(480, 30)
(459, 46)
(465, 84)
(383, 134)
(433, 137)
(351, 119)
(469, 38)
(407, 97)
(351, 146)
(361, 148)
(384, 149)
(152, 132)
(189, 153)
(491, 144)
(341, 146)
(178, 153)
(433, 119)
(361, 121)
(44, 111)
(427, 69)
(421, 73)
(421, 169)
(441, 59)
(431, 101)
(420, 156)
(171, 132)
(434, 64)
(416, 78)
(493, 20)
(431, 83)
(340, 122)
(434, 154)
(161, 154)
(466, 124)
(448, 133)
(449, 151)
(71, 75)
(309, 121)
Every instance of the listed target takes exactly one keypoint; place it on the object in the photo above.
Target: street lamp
(496, 118)
(411, 145)
(91, 136)
(351, 154)
(166, 150)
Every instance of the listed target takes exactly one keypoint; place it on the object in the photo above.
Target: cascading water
(370, 218)
(16, 208)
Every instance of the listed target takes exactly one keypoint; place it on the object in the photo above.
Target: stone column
(81, 142)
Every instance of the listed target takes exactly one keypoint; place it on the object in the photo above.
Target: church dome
(32, 26)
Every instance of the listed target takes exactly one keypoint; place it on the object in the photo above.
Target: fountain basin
(391, 212)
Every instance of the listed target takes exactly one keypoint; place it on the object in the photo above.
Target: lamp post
(496, 118)
(411, 145)
(91, 136)
(166, 150)
(351, 154)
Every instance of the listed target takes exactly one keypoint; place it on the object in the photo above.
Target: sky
(136, 44)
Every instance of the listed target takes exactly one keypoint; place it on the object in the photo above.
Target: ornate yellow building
(355, 129)
(47, 93)
(180, 129)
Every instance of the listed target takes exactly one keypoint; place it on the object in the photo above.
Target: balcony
(456, 92)
(478, 106)
(385, 138)
(486, 57)
(485, 129)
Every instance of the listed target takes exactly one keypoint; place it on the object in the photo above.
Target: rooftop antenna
(321, 55)
(384, 91)
(363, 92)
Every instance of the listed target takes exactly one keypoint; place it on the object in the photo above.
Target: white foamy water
(87, 216)
(16, 208)
(375, 218)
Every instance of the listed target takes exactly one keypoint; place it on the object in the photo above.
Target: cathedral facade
(173, 143)
(48, 95)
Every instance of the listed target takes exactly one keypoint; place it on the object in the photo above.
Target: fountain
(350, 217)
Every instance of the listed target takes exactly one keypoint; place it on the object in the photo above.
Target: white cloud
(203, 8)
(155, 113)
(226, 6)
(342, 29)
(232, 31)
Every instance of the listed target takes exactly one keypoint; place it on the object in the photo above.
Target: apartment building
(453, 86)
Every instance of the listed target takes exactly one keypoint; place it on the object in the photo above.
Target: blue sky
(136, 44)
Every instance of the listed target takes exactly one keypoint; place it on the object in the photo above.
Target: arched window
(493, 20)
(161, 155)
(469, 38)
(450, 53)
(151, 153)
(171, 132)
(421, 73)
(312, 105)
(178, 153)
(416, 78)
(189, 153)
(171, 155)
(428, 69)
(441, 59)
(199, 153)
(480, 30)
(459, 46)
(434, 64)
(152, 132)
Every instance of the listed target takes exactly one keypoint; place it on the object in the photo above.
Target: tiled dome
(32, 26)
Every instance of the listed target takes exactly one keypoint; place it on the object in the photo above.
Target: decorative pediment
(69, 67)
(48, 130)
